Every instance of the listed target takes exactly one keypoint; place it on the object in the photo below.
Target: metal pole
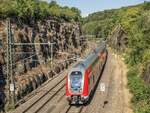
(10, 68)
(51, 54)
(7, 81)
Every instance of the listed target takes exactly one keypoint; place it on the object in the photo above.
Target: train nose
(75, 98)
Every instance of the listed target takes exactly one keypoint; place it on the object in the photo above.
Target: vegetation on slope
(36, 9)
(136, 22)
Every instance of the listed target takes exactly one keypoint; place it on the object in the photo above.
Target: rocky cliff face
(118, 38)
(118, 41)
(31, 62)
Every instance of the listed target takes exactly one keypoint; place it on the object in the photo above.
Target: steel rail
(43, 96)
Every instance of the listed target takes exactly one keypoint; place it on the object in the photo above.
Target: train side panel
(91, 70)
(67, 89)
(85, 85)
(96, 69)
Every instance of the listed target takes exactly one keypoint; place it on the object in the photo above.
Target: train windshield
(76, 81)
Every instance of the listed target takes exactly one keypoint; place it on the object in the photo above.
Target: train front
(74, 86)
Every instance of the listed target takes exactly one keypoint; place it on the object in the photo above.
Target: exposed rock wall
(29, 68)
(66, 37)
(118, 38)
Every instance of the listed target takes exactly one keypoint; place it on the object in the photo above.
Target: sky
(90, 6)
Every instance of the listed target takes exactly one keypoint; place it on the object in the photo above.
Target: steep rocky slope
(118, 38)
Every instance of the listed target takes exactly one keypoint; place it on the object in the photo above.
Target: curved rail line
(74, 110)
(27, 109)
(68, 109)
(49, 99)
(33, 93)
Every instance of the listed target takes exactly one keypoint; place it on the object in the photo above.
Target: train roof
(91, 57)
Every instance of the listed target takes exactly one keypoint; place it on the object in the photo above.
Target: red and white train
(82, 78)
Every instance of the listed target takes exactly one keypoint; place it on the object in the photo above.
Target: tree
(7, 8)
(28, 10)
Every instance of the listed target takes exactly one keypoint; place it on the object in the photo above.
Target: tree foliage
(134, 19)
(36, 9)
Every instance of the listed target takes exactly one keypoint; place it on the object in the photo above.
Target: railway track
(48, 100)
(73, 109)
(44, 95)
(37, 105)
(33, 93)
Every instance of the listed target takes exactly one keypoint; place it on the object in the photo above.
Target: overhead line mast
(10, 77)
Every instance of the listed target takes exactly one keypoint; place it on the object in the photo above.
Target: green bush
(36, 9)
(140, 91)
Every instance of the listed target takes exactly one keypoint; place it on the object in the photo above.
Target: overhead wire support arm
(20, 44)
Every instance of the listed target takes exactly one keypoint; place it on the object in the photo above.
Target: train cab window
(76, 81)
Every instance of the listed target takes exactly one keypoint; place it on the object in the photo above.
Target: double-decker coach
(82, 78)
